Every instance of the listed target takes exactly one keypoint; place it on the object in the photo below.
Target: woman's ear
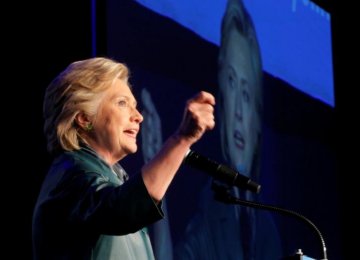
(83, 121)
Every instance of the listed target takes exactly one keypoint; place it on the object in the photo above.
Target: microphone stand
(223, 194)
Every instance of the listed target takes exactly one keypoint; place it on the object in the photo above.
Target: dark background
(40, 39)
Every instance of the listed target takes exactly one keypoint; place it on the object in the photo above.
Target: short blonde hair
(78, 88)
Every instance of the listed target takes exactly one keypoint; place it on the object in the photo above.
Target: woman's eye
(123, 103)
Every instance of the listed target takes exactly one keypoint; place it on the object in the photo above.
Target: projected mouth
(239, 140)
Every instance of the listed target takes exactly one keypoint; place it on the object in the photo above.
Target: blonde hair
(79, 88)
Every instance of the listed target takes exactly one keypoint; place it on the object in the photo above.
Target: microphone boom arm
(222, 194)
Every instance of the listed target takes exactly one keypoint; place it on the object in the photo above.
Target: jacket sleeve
(90, 200)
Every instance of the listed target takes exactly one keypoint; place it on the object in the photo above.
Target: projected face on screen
(240, 89)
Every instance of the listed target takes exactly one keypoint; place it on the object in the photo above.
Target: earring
(88, 127)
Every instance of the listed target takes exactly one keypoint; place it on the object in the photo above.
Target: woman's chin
(131, 149)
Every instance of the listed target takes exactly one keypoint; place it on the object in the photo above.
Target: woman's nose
(137, 116)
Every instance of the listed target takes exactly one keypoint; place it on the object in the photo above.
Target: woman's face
(240, 120)
(117, 123)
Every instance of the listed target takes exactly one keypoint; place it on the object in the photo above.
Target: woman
(87, 207)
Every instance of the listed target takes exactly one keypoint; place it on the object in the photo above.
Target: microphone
(220, 172)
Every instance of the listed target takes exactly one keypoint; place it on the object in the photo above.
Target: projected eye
(245, 96)
(232, 81)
